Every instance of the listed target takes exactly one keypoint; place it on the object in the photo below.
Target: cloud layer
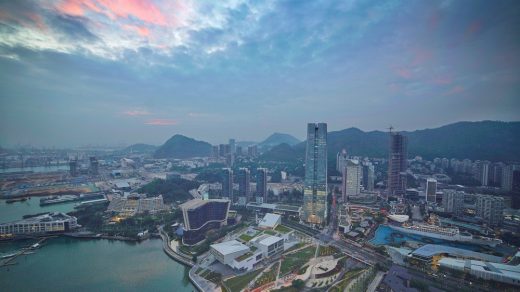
(128, 71)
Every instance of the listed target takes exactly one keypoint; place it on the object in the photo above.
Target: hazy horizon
(87, 72)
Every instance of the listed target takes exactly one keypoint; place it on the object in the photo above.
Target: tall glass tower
(314, 209)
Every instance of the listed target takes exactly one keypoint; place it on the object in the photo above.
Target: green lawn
(267, 277)
(245, 237)
(238, 283)
(296, 260)
(346, 279)
(327, 250)
(296, 246)
(282, 229)
(270, 232)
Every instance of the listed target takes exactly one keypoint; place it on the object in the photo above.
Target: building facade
(261, 185)
(490, 209)
(453, 202)
(397, 164)
(314, 209)
(227, 184)
(200, 216)
(244, 185)
(368, 176)
(351, 179)
(431, 190)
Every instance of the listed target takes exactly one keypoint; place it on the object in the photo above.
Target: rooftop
(196, 203)
(270, 220)
(229, 247)
(512, 272)
(267, 241)
(429, 250)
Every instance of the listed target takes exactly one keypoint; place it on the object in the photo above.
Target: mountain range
(485, 140)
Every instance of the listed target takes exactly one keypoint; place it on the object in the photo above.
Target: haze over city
(122, 72)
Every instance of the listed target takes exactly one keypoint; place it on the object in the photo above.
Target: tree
(298, 284)
(194, 258)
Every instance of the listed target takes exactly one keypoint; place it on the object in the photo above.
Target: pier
(23, 251)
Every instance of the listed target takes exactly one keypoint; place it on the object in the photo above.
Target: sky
(107, 72)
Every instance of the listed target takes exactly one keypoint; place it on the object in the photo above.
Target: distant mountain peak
(180, 146)
(277, 139)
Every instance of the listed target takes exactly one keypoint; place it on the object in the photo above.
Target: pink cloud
(141, 9)
(161, 122)
(71, 7)
(141, 30)
(421, 56)
(135, 113)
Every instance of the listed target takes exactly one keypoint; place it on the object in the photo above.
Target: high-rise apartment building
(453, 202)
(227, 184)
(490, 209)
(244, 188)
(351, 179)
(314, 209)
(368, 176)
(261, 185)
(431, 190)
(397, 164)
(482, 172)
(214, 152)
(341, 159)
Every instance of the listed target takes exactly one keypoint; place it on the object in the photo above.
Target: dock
(23, 251)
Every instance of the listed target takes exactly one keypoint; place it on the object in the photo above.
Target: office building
(314, 210)
(351, 179)
(227, 184)
(453, 202)
(341, 160)
(261, 185)
(244, 188)
(397, 164)
(490, 209)
(200, 216)
(368, 176)
(431, 190)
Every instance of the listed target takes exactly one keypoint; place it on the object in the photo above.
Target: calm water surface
(64, 264)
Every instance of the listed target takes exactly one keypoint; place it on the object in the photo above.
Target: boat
(445, 233)
(10, 201)
(8, 256)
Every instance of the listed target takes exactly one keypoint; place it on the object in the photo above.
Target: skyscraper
(431, 190)
(314, 209)
(244, 188)
(232, 146)
(261, 185)
(368, 176)
(397, 164)
(341, 159)
(227, 184)
(214, 152)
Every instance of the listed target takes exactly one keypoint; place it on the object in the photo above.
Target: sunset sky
(110, 72)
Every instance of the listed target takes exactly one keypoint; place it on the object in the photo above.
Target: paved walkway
(377, 279)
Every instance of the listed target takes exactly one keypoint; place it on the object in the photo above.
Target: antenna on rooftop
(390, 128)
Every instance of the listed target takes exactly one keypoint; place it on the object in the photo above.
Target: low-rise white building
(270, 221)
(226, 252)
(269, 245)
